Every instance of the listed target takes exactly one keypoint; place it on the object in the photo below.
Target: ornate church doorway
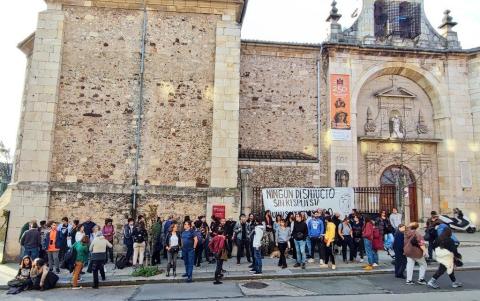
(391, 179)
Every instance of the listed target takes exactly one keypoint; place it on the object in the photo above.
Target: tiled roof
(255, 154)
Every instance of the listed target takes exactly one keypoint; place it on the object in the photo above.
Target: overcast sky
(277, 20)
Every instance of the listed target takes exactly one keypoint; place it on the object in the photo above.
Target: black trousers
(293, 250)
(97, 266)
(348, 242)
(229, 246)
(441, 270)
(219, 268)
(316, 243)
(359, 247)
(243, 246)
(109, 254)
(198, 255)
(329, 256)
(400, 265)
(282, 247)
(129, 252)
(156, 257)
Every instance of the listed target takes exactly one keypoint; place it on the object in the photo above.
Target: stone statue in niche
(421, 126)
(370, 126)
(341, 178)
(396, 126)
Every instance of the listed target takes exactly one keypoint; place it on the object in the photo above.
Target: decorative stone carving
(421, 126)
(370, 126)
(396, 125)
(341, 178)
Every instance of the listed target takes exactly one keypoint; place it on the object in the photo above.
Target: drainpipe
(140, 112)
(319, 84)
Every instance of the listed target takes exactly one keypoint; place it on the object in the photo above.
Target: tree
(5, 167)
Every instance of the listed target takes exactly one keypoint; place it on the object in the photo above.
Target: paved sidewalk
(470, 249)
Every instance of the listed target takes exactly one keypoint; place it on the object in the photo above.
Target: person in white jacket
(257, 247)
(98, 249)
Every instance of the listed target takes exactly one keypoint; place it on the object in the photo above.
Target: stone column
(30, 193)
(474, 85)
(247, 192)
(224, 164)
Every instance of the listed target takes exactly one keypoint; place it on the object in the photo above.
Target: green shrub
(146, 271)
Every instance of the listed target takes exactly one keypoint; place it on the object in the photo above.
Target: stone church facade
(210, 119)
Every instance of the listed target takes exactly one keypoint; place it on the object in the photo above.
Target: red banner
(218, 211)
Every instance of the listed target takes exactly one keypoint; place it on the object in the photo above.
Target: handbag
(174, 249)
(224, 255)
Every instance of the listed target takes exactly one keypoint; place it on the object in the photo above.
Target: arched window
(394, 174)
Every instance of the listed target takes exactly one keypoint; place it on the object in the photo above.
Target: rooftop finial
(334, 15)
(447, 20)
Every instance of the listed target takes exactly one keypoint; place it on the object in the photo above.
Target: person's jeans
(32, 252)
(372, 255)
(129, 251)
(348, 242)
(76, 273)
(138, 252)
(109, 253)
(172, 261)
(257, 264)
(97, 266)
(430, 249)
(188, 258)
(400, 265)
(411, 264)
(219, 268)
(207, 250)
(308, 247)
(53, 260)
(316, 243)
(282, 247)
(241, 246)
(300, 247)
(198, 254)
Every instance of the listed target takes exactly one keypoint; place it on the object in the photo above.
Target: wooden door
(412, 197)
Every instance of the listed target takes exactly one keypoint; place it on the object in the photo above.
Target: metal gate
(368, 200)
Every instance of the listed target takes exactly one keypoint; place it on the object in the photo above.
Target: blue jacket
(398, 243)
(442, 228)
(315, 227)
(58, 241)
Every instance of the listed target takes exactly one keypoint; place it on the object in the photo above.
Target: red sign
(218, 211)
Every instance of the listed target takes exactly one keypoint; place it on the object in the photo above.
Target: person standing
(98, 250)
(189, 243)
(330, 234)
(217, 247)
(400, 258)
(128, 238)
(367, 235)
(109, 232)
(415, 251)
(172, 246)
(357, 228)
(157, 244)
(43, 234)
(395, 219)
(446, 253)
(316, 232)
(251, 230)
(65, 231)
(257, 247)
(52, 245)
(88, 226)
(282, 240)
(31, 242)
(431, 233)
(140, 237)
(200, 242)
(79, 234)
(81, 257)
(228, 232)
(242, 235)
(386, 230)
(299, 234)
(345, 233)
(269, 231)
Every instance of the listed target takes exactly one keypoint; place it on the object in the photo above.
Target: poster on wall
(284, 200)
(340, 102)
(218, 211)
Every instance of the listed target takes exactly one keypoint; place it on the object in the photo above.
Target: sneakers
(334, 267)
(217, 282)
(433, 284)
(323, 266)
(409, 282)
(252, 271)
(457, 284)
(361, 260)
(422, 282)
(76, 287)
(303, 266)
(311, 260)
(257, 274)
(368, 268)
(375, 265)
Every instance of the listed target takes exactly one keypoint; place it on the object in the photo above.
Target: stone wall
(282, 174)
(278, 98)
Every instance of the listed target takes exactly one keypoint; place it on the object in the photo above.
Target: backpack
(121, 262)
(70, 258)
(200, 239)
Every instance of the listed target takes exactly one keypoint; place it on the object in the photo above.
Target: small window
(381, 19)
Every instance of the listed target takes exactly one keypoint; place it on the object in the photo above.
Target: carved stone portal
(370, 126)
(421, 126)
(341, 178)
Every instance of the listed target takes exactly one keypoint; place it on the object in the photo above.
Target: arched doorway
(391, 179)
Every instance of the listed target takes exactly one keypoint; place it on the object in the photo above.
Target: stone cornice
(26, 46)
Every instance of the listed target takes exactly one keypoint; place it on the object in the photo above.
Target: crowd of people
(303, 236)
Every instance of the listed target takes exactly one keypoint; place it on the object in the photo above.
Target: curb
(131, 282)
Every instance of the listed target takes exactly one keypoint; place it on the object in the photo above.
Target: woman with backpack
(415, 251)
(447, 256)
(368, 239)
(299, 234)
(189, 243)
(172, 245)
(81, 257)
(140, 237)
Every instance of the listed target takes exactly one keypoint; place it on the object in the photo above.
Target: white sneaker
(334, 267)
(361, 260)
(321, 262)
(323, 266)
(311, 260)
(375, 265)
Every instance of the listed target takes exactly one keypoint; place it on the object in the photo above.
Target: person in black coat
(299, 234)
(400, 258)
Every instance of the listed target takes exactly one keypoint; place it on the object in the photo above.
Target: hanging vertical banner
(340, 101)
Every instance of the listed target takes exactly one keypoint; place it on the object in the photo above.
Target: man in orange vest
(52, 245)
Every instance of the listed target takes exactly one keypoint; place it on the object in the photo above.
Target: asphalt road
(375, 287)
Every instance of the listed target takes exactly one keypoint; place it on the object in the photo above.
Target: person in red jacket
(217, 247)
(368, 237)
